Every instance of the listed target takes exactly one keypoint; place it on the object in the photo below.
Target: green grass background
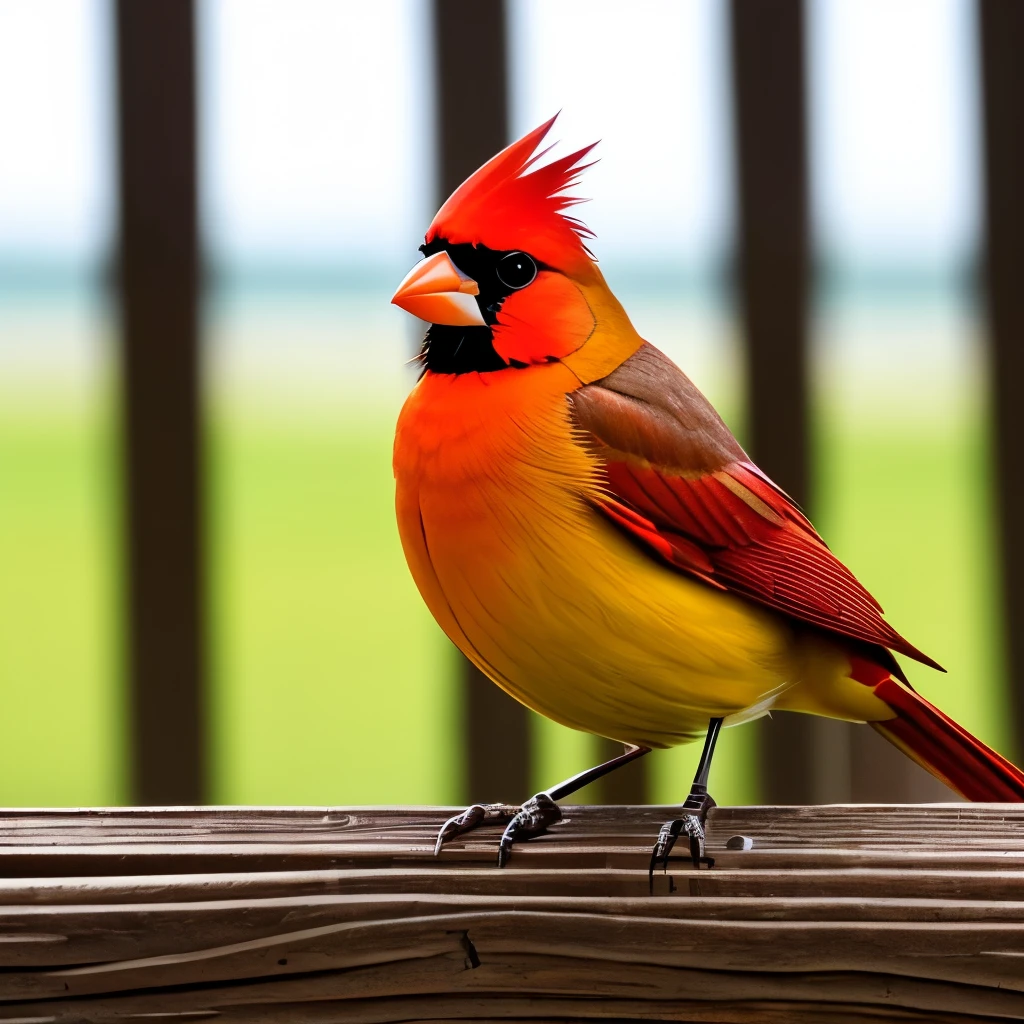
(61, 722)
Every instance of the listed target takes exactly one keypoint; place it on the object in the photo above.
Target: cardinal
(587, 530)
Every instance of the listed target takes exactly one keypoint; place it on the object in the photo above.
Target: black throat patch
(448, 349)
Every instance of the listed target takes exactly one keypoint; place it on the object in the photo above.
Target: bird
(589, 533)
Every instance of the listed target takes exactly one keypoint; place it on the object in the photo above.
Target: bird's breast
(488, 471)
(497, 518)
(456, 426)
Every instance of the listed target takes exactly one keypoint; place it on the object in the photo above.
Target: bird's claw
(471, 818)
(533, 817)
(692, 826)
(524, 822)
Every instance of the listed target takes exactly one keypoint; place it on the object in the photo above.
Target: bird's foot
(691, 825)
(533, 817)
(473, 817)
(524, 822)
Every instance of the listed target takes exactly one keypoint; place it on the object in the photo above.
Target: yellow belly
(545, 596)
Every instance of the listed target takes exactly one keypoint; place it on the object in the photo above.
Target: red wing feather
(680, 485)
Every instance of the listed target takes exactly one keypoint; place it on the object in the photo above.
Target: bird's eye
(516, 270)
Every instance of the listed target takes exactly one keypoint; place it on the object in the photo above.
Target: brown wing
(680, 484)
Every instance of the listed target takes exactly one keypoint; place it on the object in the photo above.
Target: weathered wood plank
(896, 824)
(959, 837)
(313, 914)
(661, 995)
(33, 937)
(986, 954)
(751, 881)
(410, 832)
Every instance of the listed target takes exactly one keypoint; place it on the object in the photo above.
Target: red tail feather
(946, 749)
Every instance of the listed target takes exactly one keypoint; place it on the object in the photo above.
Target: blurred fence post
(773, 265)
(471, 90)
(803, 759)
(159, 275)
(1001, 37)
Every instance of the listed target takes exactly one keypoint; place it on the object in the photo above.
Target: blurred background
(322, 136)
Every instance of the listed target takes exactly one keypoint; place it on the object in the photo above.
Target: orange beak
(438, 292)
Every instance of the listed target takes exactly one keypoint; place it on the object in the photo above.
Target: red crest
(504, 207)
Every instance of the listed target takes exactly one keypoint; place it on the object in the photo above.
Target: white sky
(316, 128)
(894, 121)
(648, 80)
(55, 159)
(316, 125)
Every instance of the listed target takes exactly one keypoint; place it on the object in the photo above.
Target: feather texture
(947, 749)
(680, 484)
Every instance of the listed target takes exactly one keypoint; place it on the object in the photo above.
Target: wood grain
(843, 913)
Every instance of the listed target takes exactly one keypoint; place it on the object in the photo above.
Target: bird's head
(508, 281)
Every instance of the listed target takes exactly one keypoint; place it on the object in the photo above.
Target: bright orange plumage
(587, 530)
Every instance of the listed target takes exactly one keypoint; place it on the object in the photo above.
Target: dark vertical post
(767, 43)
(803, 759)
(1001, 25)
(159, 355)
(471, 68)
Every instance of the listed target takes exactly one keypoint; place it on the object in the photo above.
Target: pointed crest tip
(511, 203)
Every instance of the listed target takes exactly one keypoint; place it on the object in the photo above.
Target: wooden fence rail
(836, 913)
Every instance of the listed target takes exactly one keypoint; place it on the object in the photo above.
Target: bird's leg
(540, 810)
(534, 816)
(695, 812)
